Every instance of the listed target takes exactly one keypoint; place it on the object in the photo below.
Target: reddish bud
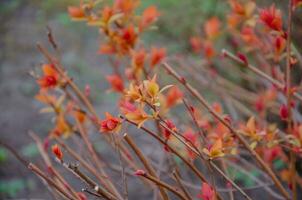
(290, 186)
(139, 172)
(46, 143)
(227, 118)
(166, 148)
(149, 16)
(242, 57)
(259, 104)
(50, 78)
(207, 192)
(283, 112)
(87, 90)
(157, 55)
(57, 151)
(116, 82)
(229, 185)
(129, 35)
(183, 80)
(76, 12)
(171, 126)
(192, 109)
(81, 196)
(196, 44)
(128, 155)
(280, 44)
(174, 95)
(110, 124)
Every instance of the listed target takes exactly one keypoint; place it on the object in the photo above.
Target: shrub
(221, 114)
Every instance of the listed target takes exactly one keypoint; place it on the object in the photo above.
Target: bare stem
(93, 185)
(108, 184)
(165, 185)
(202, 100)
(280, 85)
(182, 187)
(145, 162)
(189, 164)
(38, 172)
(57, 175)
(289, 97)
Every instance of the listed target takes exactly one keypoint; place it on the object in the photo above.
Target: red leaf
(283, 112)
(243, 58)
(207, 192)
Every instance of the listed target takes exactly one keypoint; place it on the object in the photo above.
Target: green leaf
(255, 172)
(177, 160)
(11, 187)
(279, 164)
(30, 150)
(31, 184)
(3, 154)
(64, 18)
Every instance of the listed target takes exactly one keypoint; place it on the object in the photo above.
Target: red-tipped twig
(162, 184)
(202, 100)
(182, 187)
(38, 172)
(107, 183)
(93, 185)
(278, 84)
(57, 176)
(189, 164)
(145, 162)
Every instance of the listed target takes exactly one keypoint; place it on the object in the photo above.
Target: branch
(279, 85)
(163, 184)
(145, 162)
(292, 164)
(202, 100)
(37, 171)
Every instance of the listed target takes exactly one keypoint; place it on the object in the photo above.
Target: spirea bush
(226, 116)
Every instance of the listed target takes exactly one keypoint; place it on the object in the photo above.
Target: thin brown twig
(123, 171)
(292, 164)
(260, 183)
(202, 100)
(92, 193)
(200, 131)
(108, 183)
(80, 160)
(280, 85)
(37, 171)
(211, 164)
(145, 162)
(189, 164)
(81, 97)
(194, 169)
(49, 165)
(224, 168)
(182, 187)
(93, 185)
(163, 184)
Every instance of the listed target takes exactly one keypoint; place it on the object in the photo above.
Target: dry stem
(201, 99)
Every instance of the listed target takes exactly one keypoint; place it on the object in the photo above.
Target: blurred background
(23, 24)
